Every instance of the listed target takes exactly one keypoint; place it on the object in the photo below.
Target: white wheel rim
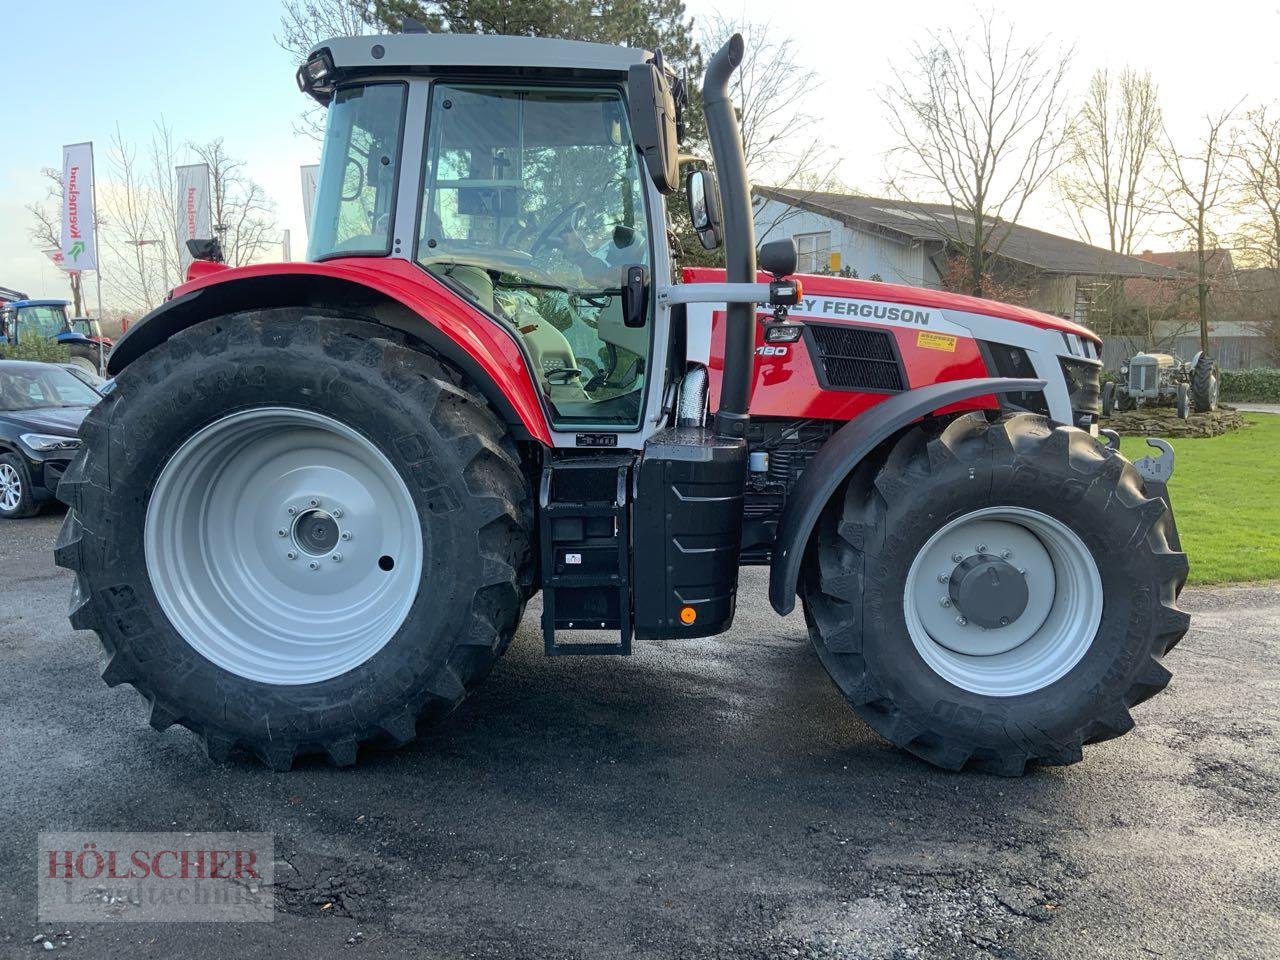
(10, 487)
(1061, 617)
(283, 546)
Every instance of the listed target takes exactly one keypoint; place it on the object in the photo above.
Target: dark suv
(41, 407)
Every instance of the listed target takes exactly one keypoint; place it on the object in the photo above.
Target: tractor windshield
(44, 320)
(533, 208)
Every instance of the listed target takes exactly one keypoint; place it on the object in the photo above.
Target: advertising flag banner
(194, 218)
(310, 173)
(54, 254)
(79, 246)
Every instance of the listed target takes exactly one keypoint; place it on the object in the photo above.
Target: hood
(58, 421)
(913, 296)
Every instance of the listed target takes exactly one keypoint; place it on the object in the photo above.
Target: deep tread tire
(1108, 398)
(1205, 380)
(852, 588)
(28, 505)
(461, 466)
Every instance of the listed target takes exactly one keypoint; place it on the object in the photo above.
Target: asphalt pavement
(714, 798)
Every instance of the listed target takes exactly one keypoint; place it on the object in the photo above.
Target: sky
(215, 70)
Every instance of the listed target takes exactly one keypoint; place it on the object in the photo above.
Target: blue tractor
(47, 319)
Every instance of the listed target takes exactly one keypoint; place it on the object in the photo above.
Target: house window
(814, 250)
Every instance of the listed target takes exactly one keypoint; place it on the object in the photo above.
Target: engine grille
(1142, 376)
(854, 358)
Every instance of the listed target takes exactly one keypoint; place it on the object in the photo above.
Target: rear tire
(956, 710)
(1182, 403)
(266, 688)
(1108, 398)
(85, 363)
(1205, 384)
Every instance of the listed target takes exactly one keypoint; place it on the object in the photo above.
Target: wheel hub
(316, 532)
(988, 591)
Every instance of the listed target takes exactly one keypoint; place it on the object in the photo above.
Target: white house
(900, 242)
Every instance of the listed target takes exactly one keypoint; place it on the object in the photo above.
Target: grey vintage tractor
(1161, 379)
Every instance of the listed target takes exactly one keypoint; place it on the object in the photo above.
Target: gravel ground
(708, 799)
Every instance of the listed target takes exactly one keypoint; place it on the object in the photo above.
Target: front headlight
(46, 442)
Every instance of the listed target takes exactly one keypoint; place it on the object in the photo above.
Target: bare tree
(1197, 188)
(779, 136)
(47, 231)
(128, 201)
(1257, 180)
(1111, 153)
(243, 216)
(980, 124)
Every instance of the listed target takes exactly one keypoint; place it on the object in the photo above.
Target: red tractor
(310, 513)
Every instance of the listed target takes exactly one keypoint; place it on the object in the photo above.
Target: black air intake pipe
(739, 237)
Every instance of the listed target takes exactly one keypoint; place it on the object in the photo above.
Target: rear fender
(394, 293)
(846, 448)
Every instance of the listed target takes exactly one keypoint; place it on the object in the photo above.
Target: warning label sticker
(936, 341)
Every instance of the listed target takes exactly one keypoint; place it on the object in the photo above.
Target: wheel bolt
(945, 601)
(1006, 553)
(292, 511)
(336, 558)
(346, 534)
(314, 502)
(337, 514)
(1004, 621)
(982, 548)
(943, 577)
(962, 621)
(282, 532)
(957, 557)
(1023, 572)
(313, 565)
(291, 555)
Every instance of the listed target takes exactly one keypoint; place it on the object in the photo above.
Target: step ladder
(586, 551)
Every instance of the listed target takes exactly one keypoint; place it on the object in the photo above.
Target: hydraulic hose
(739, 237)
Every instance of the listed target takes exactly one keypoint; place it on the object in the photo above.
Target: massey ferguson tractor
(310, 514)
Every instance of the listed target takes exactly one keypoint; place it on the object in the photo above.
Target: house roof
(1216, 261)
(927, 222)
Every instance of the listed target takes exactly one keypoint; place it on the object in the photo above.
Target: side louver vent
(852, 358)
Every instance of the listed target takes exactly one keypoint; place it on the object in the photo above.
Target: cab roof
(447, 52)
(38, 303)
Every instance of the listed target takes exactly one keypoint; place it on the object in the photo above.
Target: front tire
(886, 624)
(294, 533)
(16, 499)
(1108, 398)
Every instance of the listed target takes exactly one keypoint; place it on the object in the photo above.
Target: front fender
(843, 451)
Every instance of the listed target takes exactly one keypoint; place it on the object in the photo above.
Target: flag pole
(97, 266)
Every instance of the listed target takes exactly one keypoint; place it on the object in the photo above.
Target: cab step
(586, 552)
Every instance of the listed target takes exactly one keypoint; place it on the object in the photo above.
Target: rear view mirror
(703, 193)
(653, 122)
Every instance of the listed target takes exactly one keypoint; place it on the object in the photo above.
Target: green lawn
(1226, 496)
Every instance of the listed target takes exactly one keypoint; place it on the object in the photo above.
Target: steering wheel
(566, 217)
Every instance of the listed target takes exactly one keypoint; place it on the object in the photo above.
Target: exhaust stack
(739, 237)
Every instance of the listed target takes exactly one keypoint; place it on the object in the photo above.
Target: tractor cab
(520, 190)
